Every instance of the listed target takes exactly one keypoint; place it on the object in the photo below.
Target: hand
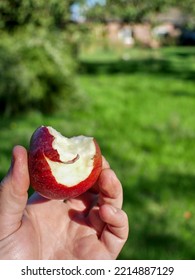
(91, 226)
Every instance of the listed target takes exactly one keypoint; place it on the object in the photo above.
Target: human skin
(91, 226)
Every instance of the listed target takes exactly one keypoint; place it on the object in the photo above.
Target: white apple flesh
(61, 167)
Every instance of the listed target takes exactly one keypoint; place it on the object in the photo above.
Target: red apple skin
(41, 177)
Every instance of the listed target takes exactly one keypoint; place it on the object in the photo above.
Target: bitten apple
(61, 167)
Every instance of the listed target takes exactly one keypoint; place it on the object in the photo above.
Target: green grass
(141, 110)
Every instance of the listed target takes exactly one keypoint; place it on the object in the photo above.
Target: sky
(76, 15)
(93, 2)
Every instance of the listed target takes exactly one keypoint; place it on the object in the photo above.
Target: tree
(50, 13)
(135, 10)
(37, 44)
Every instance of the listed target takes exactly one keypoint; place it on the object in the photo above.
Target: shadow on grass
(161, 217)
(179, 69)
(158, 246)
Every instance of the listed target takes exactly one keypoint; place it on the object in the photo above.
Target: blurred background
(124, 72)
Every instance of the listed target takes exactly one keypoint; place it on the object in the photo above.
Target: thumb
(13, 193)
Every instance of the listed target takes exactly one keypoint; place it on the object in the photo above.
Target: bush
(37, 71)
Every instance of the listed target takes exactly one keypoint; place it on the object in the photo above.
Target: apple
(61, 167)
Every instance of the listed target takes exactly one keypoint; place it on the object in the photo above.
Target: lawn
(140, 107)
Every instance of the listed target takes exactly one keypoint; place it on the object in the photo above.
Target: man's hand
(91, 226)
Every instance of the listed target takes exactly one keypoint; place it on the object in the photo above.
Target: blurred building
(130, 34)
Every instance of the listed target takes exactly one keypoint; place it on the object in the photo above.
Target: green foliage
(135, 10)
(130, 10)
(36, 71)
(38, 50)
(18, 13)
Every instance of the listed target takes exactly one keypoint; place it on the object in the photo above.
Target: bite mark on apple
(71, 161)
